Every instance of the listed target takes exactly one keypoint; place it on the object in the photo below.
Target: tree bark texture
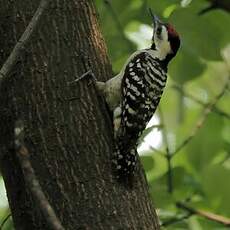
(67, 128)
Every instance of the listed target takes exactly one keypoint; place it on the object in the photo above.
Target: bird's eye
(159, 30)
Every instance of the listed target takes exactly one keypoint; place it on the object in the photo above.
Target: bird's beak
(156, 20)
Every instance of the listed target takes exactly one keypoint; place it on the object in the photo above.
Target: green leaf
(206, 144)
(185, 3)
(159, 193)
(201, 35)
(147, 162)
(216, 187)
(160, 6)
(184, 184)
(186, 66)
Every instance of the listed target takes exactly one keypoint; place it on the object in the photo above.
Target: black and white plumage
(142, 86)
(134, 94)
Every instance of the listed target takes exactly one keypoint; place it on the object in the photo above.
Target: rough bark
(67, 128)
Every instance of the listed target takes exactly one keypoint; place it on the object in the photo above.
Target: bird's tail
(125, 160)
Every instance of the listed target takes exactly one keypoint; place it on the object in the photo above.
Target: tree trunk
(67, 127)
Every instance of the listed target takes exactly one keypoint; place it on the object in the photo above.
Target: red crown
(172, 31)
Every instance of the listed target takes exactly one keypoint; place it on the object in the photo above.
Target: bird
(135, 92)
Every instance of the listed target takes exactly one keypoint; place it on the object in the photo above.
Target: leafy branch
(197, 100)
(168, 155)
(117, 22)
(208, 215)
(207, 110)
(176, 219)
(216, 4)
(4, 221)
(192, 211)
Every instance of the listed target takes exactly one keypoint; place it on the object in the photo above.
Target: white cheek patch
(165, 48)
(162, 43)
(164, 34)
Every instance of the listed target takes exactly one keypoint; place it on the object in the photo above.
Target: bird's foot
(89, 74)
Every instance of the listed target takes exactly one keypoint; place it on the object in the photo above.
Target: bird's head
(165, 38)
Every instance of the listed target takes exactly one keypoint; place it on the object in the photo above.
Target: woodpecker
(134, 94)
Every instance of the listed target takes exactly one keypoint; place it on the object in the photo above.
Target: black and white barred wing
(142, 87)
(134, 90)
(133, 117)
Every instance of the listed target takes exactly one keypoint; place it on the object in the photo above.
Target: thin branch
(176, 220)
(169, 172)
(31, 179)
(168, 154)
(154, 149)
(117, 23)
(208, 215)
(180, 106)
(158, 126)
(148, 130)
(23, 41)
(207, 9)
(145, 4)
(227, 158)
(115, 17)
(216, 4)
(202, 120)
(4, 221)
(190, 96)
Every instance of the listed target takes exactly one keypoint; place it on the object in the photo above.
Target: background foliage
(191, 162)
